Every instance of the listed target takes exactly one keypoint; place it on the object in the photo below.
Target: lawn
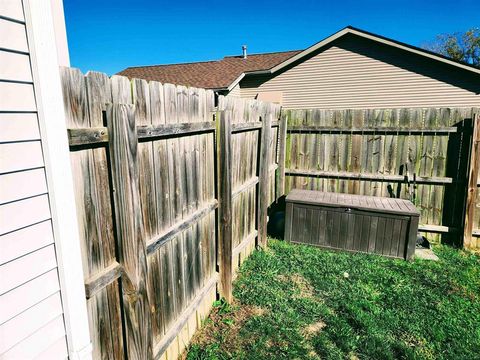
(299, 302)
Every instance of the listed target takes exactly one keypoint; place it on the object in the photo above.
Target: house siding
(235, 92)
(31, 312)
(358, 73)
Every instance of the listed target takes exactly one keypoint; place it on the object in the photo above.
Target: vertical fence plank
(282, 139)
(263, 184)
(98, 95)
(225, 234)
(472, 181)
(356, 152)
(76, 116)
(146, 165)
(123, 146)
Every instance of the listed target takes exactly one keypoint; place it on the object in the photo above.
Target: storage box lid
(361, 202)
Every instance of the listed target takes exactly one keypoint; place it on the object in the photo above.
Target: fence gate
(146, 158)
(252, 132)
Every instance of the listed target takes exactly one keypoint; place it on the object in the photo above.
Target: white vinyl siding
(18, 127)
(24, 241)
(29, 294)
(26, 268)
(20, 156)
(12, 9)
(354, 73)
(58, 347)
(31, 312)
(22, 184)
(15, 67)
(13, 36)
(22, 213)
(29, 322)
(48, 342)
(16, 97)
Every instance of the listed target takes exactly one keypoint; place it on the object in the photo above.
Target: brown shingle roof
(208, 74)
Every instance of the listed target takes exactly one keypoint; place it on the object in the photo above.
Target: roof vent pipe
(244, 51)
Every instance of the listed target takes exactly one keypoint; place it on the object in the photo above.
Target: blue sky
(109, 36)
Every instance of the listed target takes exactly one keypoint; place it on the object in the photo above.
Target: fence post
(224, 181)
(282, 140)
(123, 144)
(474, 166)
(263, 179)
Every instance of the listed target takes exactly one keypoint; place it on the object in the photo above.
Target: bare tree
(459, 46)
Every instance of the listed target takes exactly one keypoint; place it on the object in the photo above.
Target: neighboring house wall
(235, 91)
(34, 295)
(360, 73)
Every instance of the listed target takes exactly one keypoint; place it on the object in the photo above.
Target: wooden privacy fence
(421, 154)
(169, 202)
(172, 191)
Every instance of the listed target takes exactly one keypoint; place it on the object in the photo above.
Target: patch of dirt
(303, 285)
(308, 333)
(313, 329)
(413, 341)
(224, 327)
(462, 291)
(312, 354)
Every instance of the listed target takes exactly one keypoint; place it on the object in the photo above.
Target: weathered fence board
(471, 230)
(282, 144)
(84, 100)
(264, 179)
(224, 161)
(131, 229)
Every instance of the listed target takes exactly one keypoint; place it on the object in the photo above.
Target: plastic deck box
(356, 223)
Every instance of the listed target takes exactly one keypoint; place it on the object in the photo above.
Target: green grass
(299, 302)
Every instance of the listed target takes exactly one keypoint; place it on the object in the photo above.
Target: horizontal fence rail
(370, 131)
(372, 177)
(88, 136)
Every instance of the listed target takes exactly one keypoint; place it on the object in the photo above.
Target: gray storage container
(357, 223)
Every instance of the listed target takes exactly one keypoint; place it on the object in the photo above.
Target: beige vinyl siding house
(236, 91)
(32, 298)
(355, 72)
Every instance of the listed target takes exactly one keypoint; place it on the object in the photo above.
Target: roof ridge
(172, 64)
(211, 61)
(266, 53)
